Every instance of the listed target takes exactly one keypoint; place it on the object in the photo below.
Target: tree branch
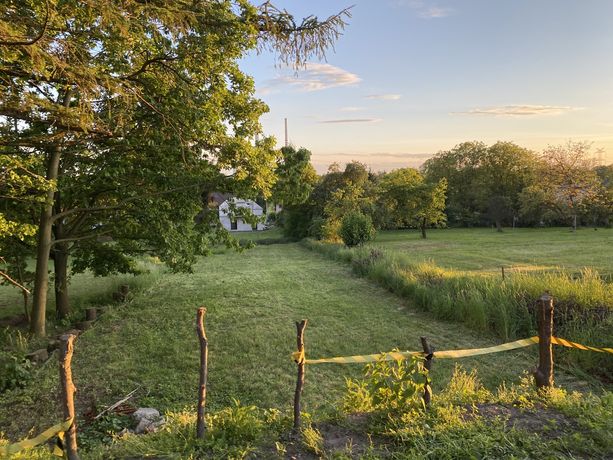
(35, 39)
(121, 203)
(14, 283)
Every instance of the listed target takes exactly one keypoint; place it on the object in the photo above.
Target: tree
(94, 88)
(484, 181)
(506, 170)
(461, 166)
(296, 176)
(569, 178)
(396, 200)
(601, 212)
(430, 205)
(22, 190)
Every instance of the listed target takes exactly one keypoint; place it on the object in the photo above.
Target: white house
(235, 223)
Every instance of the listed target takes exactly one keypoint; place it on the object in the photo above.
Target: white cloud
(352, 120)
(426, 9)
(525, 110)
(384, 97)
(314, 77)
(435, 12)
(351, 109)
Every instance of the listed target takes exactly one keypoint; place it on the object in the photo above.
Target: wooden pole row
(543, 374)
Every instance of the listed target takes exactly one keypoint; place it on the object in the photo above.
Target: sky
(409, 78)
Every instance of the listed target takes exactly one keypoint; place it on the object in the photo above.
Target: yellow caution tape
(11, 449)
(400, 355)
(298, 356)
(569, 344)
(484, 351)
(390, 356)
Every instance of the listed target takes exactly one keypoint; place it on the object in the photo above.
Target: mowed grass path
(253, 299)
(485, 250)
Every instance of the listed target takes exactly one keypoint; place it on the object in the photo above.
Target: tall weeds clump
(583, 301)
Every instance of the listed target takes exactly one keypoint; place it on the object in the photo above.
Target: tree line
(472, 184)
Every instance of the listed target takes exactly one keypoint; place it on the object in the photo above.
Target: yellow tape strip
(484, 351)
(33, 442)
(400, 355)
(569, 344)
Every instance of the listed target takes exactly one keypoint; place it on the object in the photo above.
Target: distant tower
(286, 141)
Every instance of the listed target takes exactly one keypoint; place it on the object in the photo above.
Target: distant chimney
(286, 141)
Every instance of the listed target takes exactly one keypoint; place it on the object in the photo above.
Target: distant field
(485, 250)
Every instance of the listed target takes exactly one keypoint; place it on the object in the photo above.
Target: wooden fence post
(90, 314)
(204, 363)
(428, 354)
(502, 268)
(544, 373)
(300, 326)
(67, 394)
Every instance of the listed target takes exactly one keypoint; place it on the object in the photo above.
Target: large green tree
(134, 109)
(296, 176)
(409, 201)
(484, 182)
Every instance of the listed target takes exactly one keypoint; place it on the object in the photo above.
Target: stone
(38, 356)
(149, 420)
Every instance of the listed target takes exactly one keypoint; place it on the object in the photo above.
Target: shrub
(295, 221)
(330, 231)
(356, 229)
(316, 229)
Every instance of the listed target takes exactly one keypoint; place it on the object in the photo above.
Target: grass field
(525, 249)
(253, 299)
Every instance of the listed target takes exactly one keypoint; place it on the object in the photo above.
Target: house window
(233, 224)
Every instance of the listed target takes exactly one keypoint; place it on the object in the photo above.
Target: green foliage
(296, 177)
(312, 440)
(356, 229)
(133, 111)
(15, 372)
(234, 425)
(477, 173)
(389, 387)
(296, 221)
(103, 431)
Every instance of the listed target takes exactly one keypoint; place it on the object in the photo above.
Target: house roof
(241, 203)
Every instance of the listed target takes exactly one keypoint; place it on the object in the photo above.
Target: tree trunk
(498, 226)
(60, 261)
(423, 228)
(574, 222)
(41, 279)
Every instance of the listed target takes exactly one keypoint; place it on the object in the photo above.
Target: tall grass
(584, 303)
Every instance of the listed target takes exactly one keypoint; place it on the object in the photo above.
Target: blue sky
(411, 77)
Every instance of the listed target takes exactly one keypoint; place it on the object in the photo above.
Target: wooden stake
(67, 394)
(90, 314)
(544, 373)
(300, 326)
(429, 354)
(204, 363)
(502, 273)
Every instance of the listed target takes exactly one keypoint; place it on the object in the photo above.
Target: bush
(356, 229)
(316, 229)
(295, 221)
